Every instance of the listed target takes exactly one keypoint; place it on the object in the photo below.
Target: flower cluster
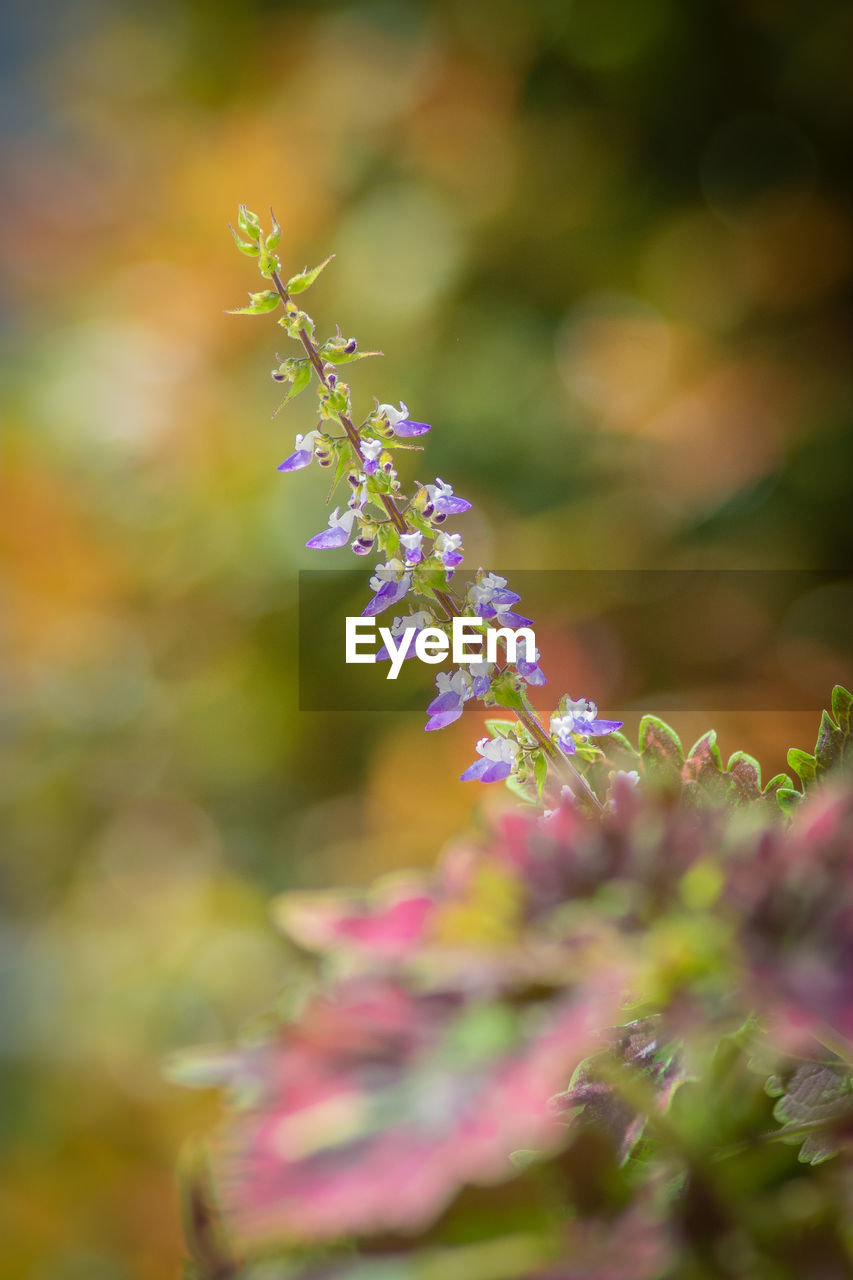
(419, 555)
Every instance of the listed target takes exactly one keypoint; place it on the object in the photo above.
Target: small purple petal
(480, 685)
(502, 595)
(296, 461)
(389, 593)
(443, 720)
(444, 702)
(568, 746)
(485, 611)
(451, 506)
(451, 559)
(514, 619)
(531, 672)
(407, 427)
(336, 537)
(475, 770)
(369, 467)
(487, 771)
(599, 728)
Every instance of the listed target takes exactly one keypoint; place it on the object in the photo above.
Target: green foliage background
(607, 250)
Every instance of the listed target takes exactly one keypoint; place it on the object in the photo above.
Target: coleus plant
(612, 1037)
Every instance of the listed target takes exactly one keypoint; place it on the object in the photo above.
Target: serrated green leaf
(829, 747)
(261, 304)
(745, 774)
(659, 743)
(299, 383)
(304, 279)
(250, 250)
(804, 765)
(842, 706)
(660, 750)
(705, 749)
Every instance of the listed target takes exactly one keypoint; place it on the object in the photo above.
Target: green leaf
(540, 770)
(344, 452)
(304, 279)
(501, 728)
(789, 799)
(706, 752)
(659, 742)
(518, 788)
(842, 706)
(299, 383)
(260, 304)
(830, 743)
(780, 780)
(745, 773)
(804, 765)
(660, 749)
(250, 250)
(816, 1095)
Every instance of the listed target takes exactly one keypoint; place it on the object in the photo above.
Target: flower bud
(274, 237)
(248, 222)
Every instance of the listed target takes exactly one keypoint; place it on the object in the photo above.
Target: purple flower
(390, 585)
(444, 501)
(498, 757)
(531, 671)
(303, 453)
(400, 422)
(416, 620)
(448, 546)
(453, 692)
(337, 534)
(370, 451)
(492, 598)
(579, 717)
(412, 546)
(481, 677)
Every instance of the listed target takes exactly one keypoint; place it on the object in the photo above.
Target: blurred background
(607, 249)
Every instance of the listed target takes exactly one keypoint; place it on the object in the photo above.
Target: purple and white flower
(580, 717)
(337, 534)
(496, 762)
(412, 545)
(453, 692)
(370, 451)
(400, 422)
(444, 501)
(303, 453)
(449, 547)
(481, 677)
(531, 671)
(390, 583)
(417, 622)
(492, 598)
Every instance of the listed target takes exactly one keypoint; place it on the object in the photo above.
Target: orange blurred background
(607, 249)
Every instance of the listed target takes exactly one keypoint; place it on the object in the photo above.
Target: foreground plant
(611, 1040)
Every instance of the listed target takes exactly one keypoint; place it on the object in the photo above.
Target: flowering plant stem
(530, 754)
